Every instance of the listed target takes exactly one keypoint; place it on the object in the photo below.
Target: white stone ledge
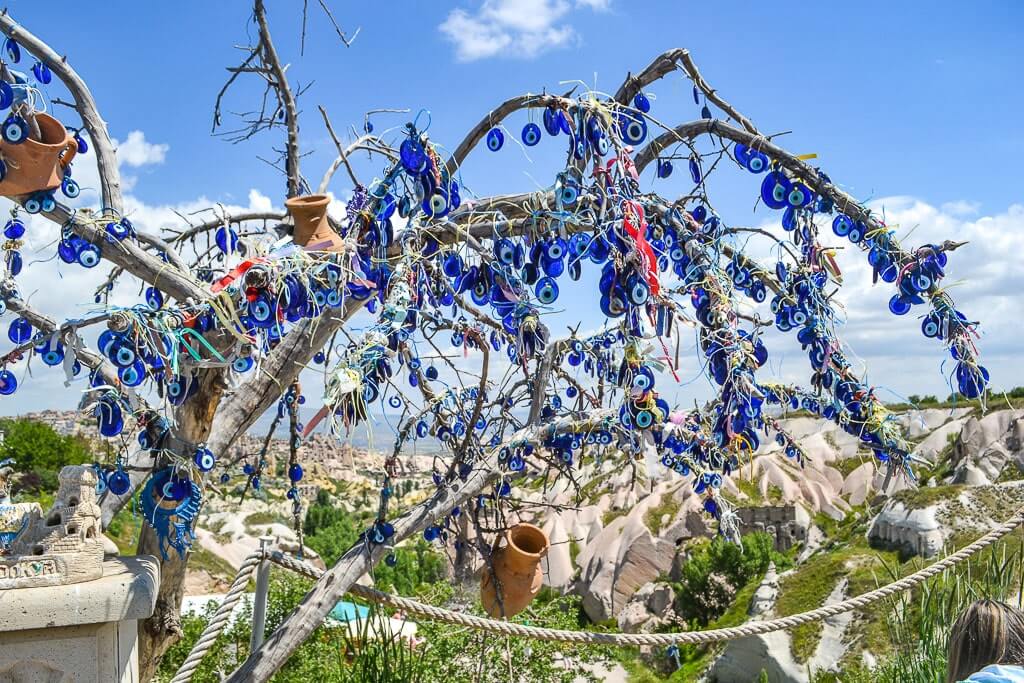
(127, 591)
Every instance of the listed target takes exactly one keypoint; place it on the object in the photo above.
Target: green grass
(926, 496)
(611, 515)
(668, 505)
(265, 517)
(200, 558)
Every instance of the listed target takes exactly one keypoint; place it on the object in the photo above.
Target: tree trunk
(163, 629)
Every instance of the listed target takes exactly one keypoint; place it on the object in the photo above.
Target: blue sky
(912, 105)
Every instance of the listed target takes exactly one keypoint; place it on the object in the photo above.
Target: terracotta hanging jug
(312, 229)
(517, 567)
(35, 165)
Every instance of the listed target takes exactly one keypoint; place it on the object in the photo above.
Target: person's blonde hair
(987, 632)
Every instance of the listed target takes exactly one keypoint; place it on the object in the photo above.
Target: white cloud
(137, 151)
(516, 28)
(961, 207)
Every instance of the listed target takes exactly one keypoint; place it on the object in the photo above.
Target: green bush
(40, 453)
(716, 571)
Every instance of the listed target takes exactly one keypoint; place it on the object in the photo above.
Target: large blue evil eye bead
(546, 290)
(756, 162)
(641, 102)
(842, 225)
(664, 168)
(14, 229)
(495, 139)
(15, 130)
(154, 299)
(226, 239)
(775, 190)
(19, 331)
(531, 134)
(8, 382)
(204, 459)
(899, 305)
(118, 482)
(89, 255)
(295, 472)
(633, 129)
(413, 157)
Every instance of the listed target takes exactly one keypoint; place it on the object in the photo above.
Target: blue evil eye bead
(242, 364)
(117, 230)
(226, 239)
(53, 355)
(134, 374)
(431, 373)
(110, 419)
(756, 162)
(83, 146)
(842, 225)
(695, 171)
(505, 251)
(530, 134)
(33, 204)
(14, 262)
(6, 95)
(295, 472)
(931, 326)
(46, 202)
(395, 402)
(633, 128)
(436, 205)
(799, 195)
(638, 292)
(546, 290)
(971, 380)
(8, 383)
(42, 73)
(70, 188)
(568, 192)
(898, 305)
(89, 255)
(13, 50)
(14, 229)
(118, 482)
(664, 168)
(204, 459)
(414, 158)
(154, 299)
(641, 102)
(19, 331)
(857, 232)
(775, 190)
(15, 129)
(495, 139)
(742, 153)
(553, 121)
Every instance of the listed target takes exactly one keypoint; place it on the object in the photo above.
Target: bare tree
(228, 330)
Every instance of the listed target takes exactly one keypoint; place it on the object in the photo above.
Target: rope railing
(618, 639)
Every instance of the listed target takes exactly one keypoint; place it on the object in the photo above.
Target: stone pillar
(78, 633)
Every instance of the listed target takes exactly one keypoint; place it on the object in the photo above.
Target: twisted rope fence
(410, 606)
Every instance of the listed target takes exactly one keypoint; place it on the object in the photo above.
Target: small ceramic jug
(518, 570)
(34, 165)
(312, 229)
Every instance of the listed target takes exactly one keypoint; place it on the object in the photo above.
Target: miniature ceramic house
(63, 546)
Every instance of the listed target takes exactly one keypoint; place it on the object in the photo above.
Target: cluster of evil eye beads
(637, 241)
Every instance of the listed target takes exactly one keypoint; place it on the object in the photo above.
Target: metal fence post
(259, 603)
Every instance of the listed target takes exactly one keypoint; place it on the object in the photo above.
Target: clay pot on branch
(312, 228)
(37, 165)
(518, 571)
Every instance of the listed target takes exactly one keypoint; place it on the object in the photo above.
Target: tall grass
(919, 621)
